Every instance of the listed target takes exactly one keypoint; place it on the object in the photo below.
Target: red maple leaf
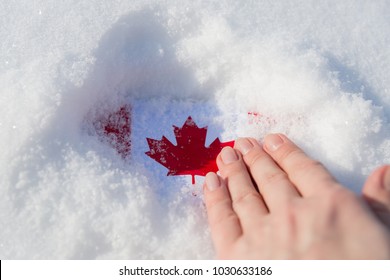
(189, 156)
(115, 129)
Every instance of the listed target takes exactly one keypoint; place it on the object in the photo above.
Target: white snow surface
(317, 71)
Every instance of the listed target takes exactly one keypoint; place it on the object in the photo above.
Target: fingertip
(386, 178)
(212, 181)
(228, 155)
(273, 142)
(378, 180)
(376, 192)
(244, 145)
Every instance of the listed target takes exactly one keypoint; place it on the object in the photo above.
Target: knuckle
(256, 159)
(298, 160)
(273, 178)
(229, 216)
(335, 204)
(233, 172)
(217, 203)
(289, 153)
(339, 197)
(306, 166)
(247, 198)
(310, 164)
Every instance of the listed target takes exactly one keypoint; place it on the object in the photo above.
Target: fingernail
(243, 145)
(386, 179)
(212, 181)
(228, 155)
(273, 142)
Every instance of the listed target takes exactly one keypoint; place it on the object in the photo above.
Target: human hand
(274, 202)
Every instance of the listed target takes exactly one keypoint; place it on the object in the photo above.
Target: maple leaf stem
(193, 179)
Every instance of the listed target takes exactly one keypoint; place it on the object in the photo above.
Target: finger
(377, 186)
(247, 201)
(376, 192)
(224, 223)
(273, 183)
(309, 176)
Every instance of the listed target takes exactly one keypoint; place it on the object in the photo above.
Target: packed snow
(317, 71)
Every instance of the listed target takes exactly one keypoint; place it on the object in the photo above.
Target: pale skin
(272, 201)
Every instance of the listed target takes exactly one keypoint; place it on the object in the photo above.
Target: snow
(315, 70)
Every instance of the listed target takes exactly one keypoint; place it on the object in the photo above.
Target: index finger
(308, 175)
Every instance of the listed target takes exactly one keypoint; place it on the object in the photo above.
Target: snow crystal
(317, 71)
